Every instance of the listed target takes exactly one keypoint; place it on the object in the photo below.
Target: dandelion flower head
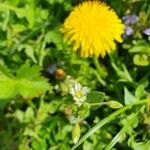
(92, 28)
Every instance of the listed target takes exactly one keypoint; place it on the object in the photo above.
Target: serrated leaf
(31, 83)
(30, 15)
(32, 88)
(28, 72)
(27, 83)
(18, 11)
(7, 86)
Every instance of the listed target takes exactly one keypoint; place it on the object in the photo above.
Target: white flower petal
(77, 86)
(78, 103)
(85, 90)
(72, 91)
(75, 98)
(79, 93)
(83, 98)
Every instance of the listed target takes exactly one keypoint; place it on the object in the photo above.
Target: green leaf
(95, 96)
(29, 115)
(83, 112)
(28, 72)
(39, 144)
(139, 145)
(55, 37)
(106, 120)
(87, 146)
(121, 133)
(30, 132)
(30, 14)
(30, 52)
(27, 83)
(17, 28)
(140, 92)
(33, 88)
(45, 109)
(7, 86)
(20, 115)
(18, 11)
(31, 83)
(28, 36)
(129, 97)
(141, 60)
(140, 49)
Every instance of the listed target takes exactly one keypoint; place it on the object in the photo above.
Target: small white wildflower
(79, 93)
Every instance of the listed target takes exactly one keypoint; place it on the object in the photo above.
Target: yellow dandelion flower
(92, 28)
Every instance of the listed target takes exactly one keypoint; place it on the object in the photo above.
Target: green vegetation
(53, 99)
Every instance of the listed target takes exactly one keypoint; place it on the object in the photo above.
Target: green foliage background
(36, 109)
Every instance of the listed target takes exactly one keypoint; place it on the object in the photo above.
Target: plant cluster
(65, 81)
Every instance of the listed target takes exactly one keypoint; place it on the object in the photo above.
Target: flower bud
(114, 104)
(76, 133)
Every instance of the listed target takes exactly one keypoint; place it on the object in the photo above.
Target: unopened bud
(114, 104)
(76, 133)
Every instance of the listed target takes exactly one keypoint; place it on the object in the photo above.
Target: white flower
(79, 93)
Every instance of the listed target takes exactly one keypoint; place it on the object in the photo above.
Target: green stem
(124, 74)
(99, 104)
(28, 36)
(99, 79)
(127, 74)
(106, 120)
(98, 65)
(100, 70)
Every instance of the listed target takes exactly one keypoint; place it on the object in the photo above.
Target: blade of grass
(121, 132)
(106, 120)
(28, 36)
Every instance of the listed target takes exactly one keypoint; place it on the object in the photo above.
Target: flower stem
(100, 70)
(98, 65)
(99, 104)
